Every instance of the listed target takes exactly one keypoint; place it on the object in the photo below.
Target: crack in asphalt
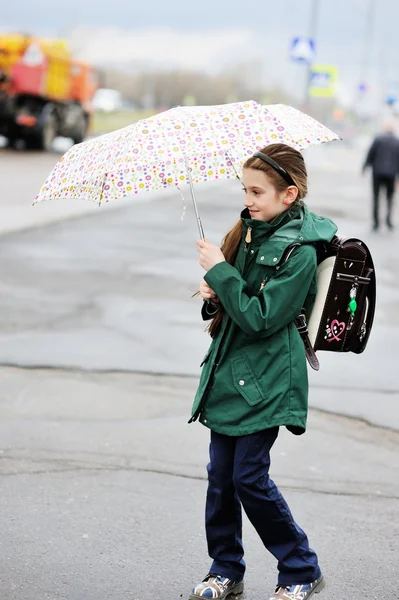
(154, 471)
(324, 411)
(363, 420)
(77, 369)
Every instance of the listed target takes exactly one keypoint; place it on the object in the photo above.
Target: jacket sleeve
(280, 301)
(370, 155)
(209, 310)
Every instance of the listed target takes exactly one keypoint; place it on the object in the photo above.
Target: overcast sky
(213, 34)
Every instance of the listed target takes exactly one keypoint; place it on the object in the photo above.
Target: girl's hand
(210, 255)
(207, 292)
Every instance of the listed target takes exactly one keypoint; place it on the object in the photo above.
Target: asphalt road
(102, 480)
(103, 487)
(111, 290)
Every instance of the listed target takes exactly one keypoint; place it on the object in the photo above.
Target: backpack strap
(302, 327)
(301, 323)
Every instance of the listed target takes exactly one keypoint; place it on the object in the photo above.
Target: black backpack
(343, 312)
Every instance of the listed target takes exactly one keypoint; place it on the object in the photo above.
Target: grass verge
(102, 122)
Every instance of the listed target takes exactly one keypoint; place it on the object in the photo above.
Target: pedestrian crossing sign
(323, 81)
(302, 49)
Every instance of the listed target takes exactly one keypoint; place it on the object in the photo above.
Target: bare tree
(166, 89)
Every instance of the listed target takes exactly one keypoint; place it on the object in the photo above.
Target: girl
(254, 377)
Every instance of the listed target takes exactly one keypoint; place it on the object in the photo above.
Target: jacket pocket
(244, 380)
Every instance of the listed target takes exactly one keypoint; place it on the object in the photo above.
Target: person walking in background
(383, 158)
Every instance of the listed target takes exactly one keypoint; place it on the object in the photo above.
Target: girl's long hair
(292, 161)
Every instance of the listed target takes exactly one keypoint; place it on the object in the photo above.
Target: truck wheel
(81, 130)
(49, 133)
(44, 138)
(13, 142)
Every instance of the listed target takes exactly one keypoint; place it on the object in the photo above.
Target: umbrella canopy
(181, 145)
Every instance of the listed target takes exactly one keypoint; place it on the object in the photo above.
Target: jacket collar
(260, 230)
(274, 238)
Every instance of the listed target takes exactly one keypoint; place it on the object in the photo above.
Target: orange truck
(43, 91)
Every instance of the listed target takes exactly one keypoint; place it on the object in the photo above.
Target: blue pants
(238, 474)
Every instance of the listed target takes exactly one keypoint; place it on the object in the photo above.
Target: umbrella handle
(199, 223)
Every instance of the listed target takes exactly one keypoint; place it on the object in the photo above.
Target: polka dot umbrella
(183, 145)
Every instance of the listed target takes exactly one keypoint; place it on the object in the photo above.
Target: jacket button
(241, 382)
(274, 259)
(262, 258)
(252, 251)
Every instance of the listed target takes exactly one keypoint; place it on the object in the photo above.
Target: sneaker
(216, 586)
(298, 592)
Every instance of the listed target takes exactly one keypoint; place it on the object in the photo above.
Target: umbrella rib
(232, 164)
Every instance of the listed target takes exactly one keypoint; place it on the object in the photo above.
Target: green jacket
(254, 374)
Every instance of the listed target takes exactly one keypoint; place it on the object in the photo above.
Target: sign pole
(312, 35)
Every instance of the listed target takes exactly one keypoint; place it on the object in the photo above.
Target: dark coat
(383, 156)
